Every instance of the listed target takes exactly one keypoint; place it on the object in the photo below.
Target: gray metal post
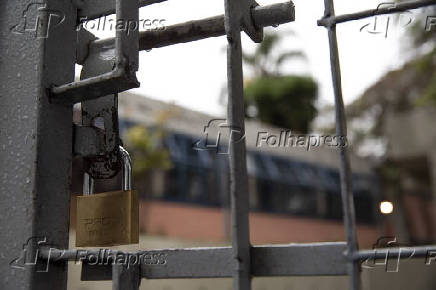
(238, 166)
(37, 43)
(345, 169)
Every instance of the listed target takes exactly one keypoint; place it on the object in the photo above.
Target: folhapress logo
(38, 20)
(30, 254)
(381, 25)
(389, 259)
(218, 136)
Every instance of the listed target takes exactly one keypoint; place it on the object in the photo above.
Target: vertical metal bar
(125, 277)
(345, 169)
(238, 166)
(223, 191)
(127, 38)
(35, 138)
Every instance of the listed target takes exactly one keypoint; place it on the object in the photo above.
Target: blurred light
(386, 207)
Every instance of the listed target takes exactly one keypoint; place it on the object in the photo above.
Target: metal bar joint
(122, 77)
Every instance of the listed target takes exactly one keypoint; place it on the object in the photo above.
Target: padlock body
(107, 219)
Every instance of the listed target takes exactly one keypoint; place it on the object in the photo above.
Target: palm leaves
(264, 62)
(286, 101)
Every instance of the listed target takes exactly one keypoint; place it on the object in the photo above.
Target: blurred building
(412, 143)
(294, 197)
(294, 192)
(403, 119)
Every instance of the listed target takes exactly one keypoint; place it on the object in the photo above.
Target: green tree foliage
(264, 62)
(422, 31)
(282, 100)
(426, 68)
(146, 146)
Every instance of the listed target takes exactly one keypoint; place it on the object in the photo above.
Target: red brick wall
(207, 224)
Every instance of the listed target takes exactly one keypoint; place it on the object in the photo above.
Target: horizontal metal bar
(182, 33)
(397, 7)
(122, 78)
(112, 82)
(192, 263)
(263, 16)
(272, 15)
(92, 9)
(273, 260)
(401, 252)
(317, 259)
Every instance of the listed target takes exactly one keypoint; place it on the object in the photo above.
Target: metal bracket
(245, 9)
(84, 41)
(99, 116)
(103, 114)
(122, 75)
(88, 141)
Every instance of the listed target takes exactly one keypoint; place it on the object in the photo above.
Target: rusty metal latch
(122, 75)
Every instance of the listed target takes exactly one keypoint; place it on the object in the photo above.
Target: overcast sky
(193, 74)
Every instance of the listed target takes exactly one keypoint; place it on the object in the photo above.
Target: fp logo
(30, 253)
(215, 134)
(37, 19)
(387, 258)
(381, 25)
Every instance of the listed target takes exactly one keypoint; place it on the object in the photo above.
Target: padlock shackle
(127, 169)
(126, 179)
(88, 184)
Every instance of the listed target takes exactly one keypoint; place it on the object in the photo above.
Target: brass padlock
(110, 218)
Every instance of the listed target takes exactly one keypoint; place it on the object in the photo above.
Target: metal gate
(38, 141)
